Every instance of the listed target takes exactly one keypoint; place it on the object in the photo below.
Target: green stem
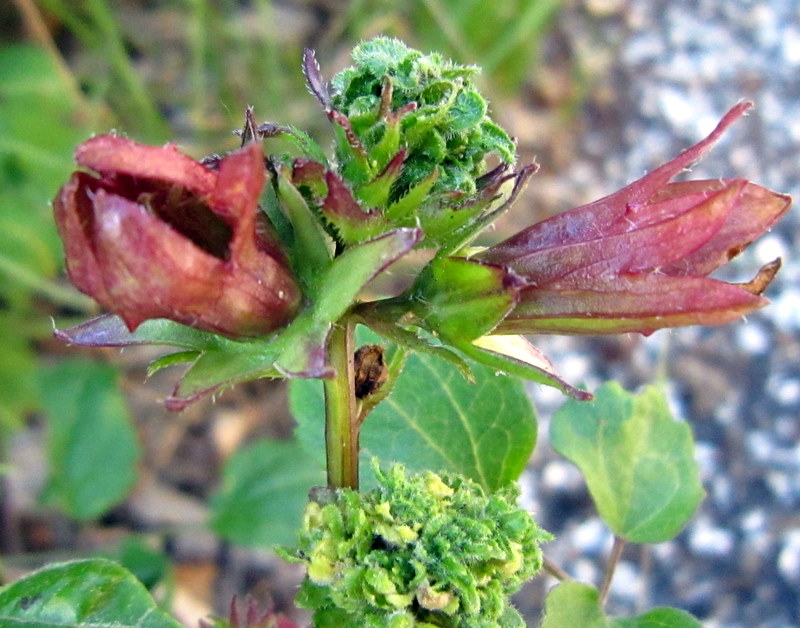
(341, 420)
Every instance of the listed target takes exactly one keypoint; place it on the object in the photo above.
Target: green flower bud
(412, 137)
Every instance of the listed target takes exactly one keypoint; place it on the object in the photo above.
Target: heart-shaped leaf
(573, 604)
(637, 460)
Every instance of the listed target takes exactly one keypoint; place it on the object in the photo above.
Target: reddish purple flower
(152, 233)
(638, 260)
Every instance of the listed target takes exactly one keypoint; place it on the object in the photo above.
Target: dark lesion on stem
(370, 369)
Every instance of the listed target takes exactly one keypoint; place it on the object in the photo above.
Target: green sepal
(298, 350)
(444, 223)
(311, 251)
(344, 216)
(404, 210)
(492, 203)
(377, 192)
(109, 330)
(388, 146)
(179, 357)
(356, 266)
(461, 300)
(350, 153)
(516, 356)
(352, 223)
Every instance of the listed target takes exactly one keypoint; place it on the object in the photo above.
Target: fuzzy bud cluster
(419, 550)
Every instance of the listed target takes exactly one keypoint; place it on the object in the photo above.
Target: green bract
(421, 550)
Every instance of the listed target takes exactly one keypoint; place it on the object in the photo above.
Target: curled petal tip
(763, 278)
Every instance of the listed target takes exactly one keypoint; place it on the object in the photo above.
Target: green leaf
(637, 460)
(468, 109)
(80, 594)
(17, 371)
(573, 605)
(149, 566)
(264, 492)
(88, 427)
(661, 617)
(435, 419)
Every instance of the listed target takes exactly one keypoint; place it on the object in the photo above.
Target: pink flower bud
(152, 233)
(638, 260)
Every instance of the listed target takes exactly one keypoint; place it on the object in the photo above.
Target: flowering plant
(255, 264)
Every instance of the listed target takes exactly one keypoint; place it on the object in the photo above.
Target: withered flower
(151, 233)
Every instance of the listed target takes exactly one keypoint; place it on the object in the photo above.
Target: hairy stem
(341, 419)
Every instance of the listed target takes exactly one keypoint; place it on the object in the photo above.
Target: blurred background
(596, 91)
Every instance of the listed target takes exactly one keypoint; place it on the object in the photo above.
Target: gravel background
(674, 68)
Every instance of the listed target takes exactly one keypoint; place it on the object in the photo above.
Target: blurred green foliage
(39, 127)
(501, 37)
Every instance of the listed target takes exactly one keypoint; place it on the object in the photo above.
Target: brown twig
(613, 561)
(554, 570)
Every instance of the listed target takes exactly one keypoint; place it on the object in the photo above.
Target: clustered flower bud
(420, 550)
(412, 140)
(395, 97)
